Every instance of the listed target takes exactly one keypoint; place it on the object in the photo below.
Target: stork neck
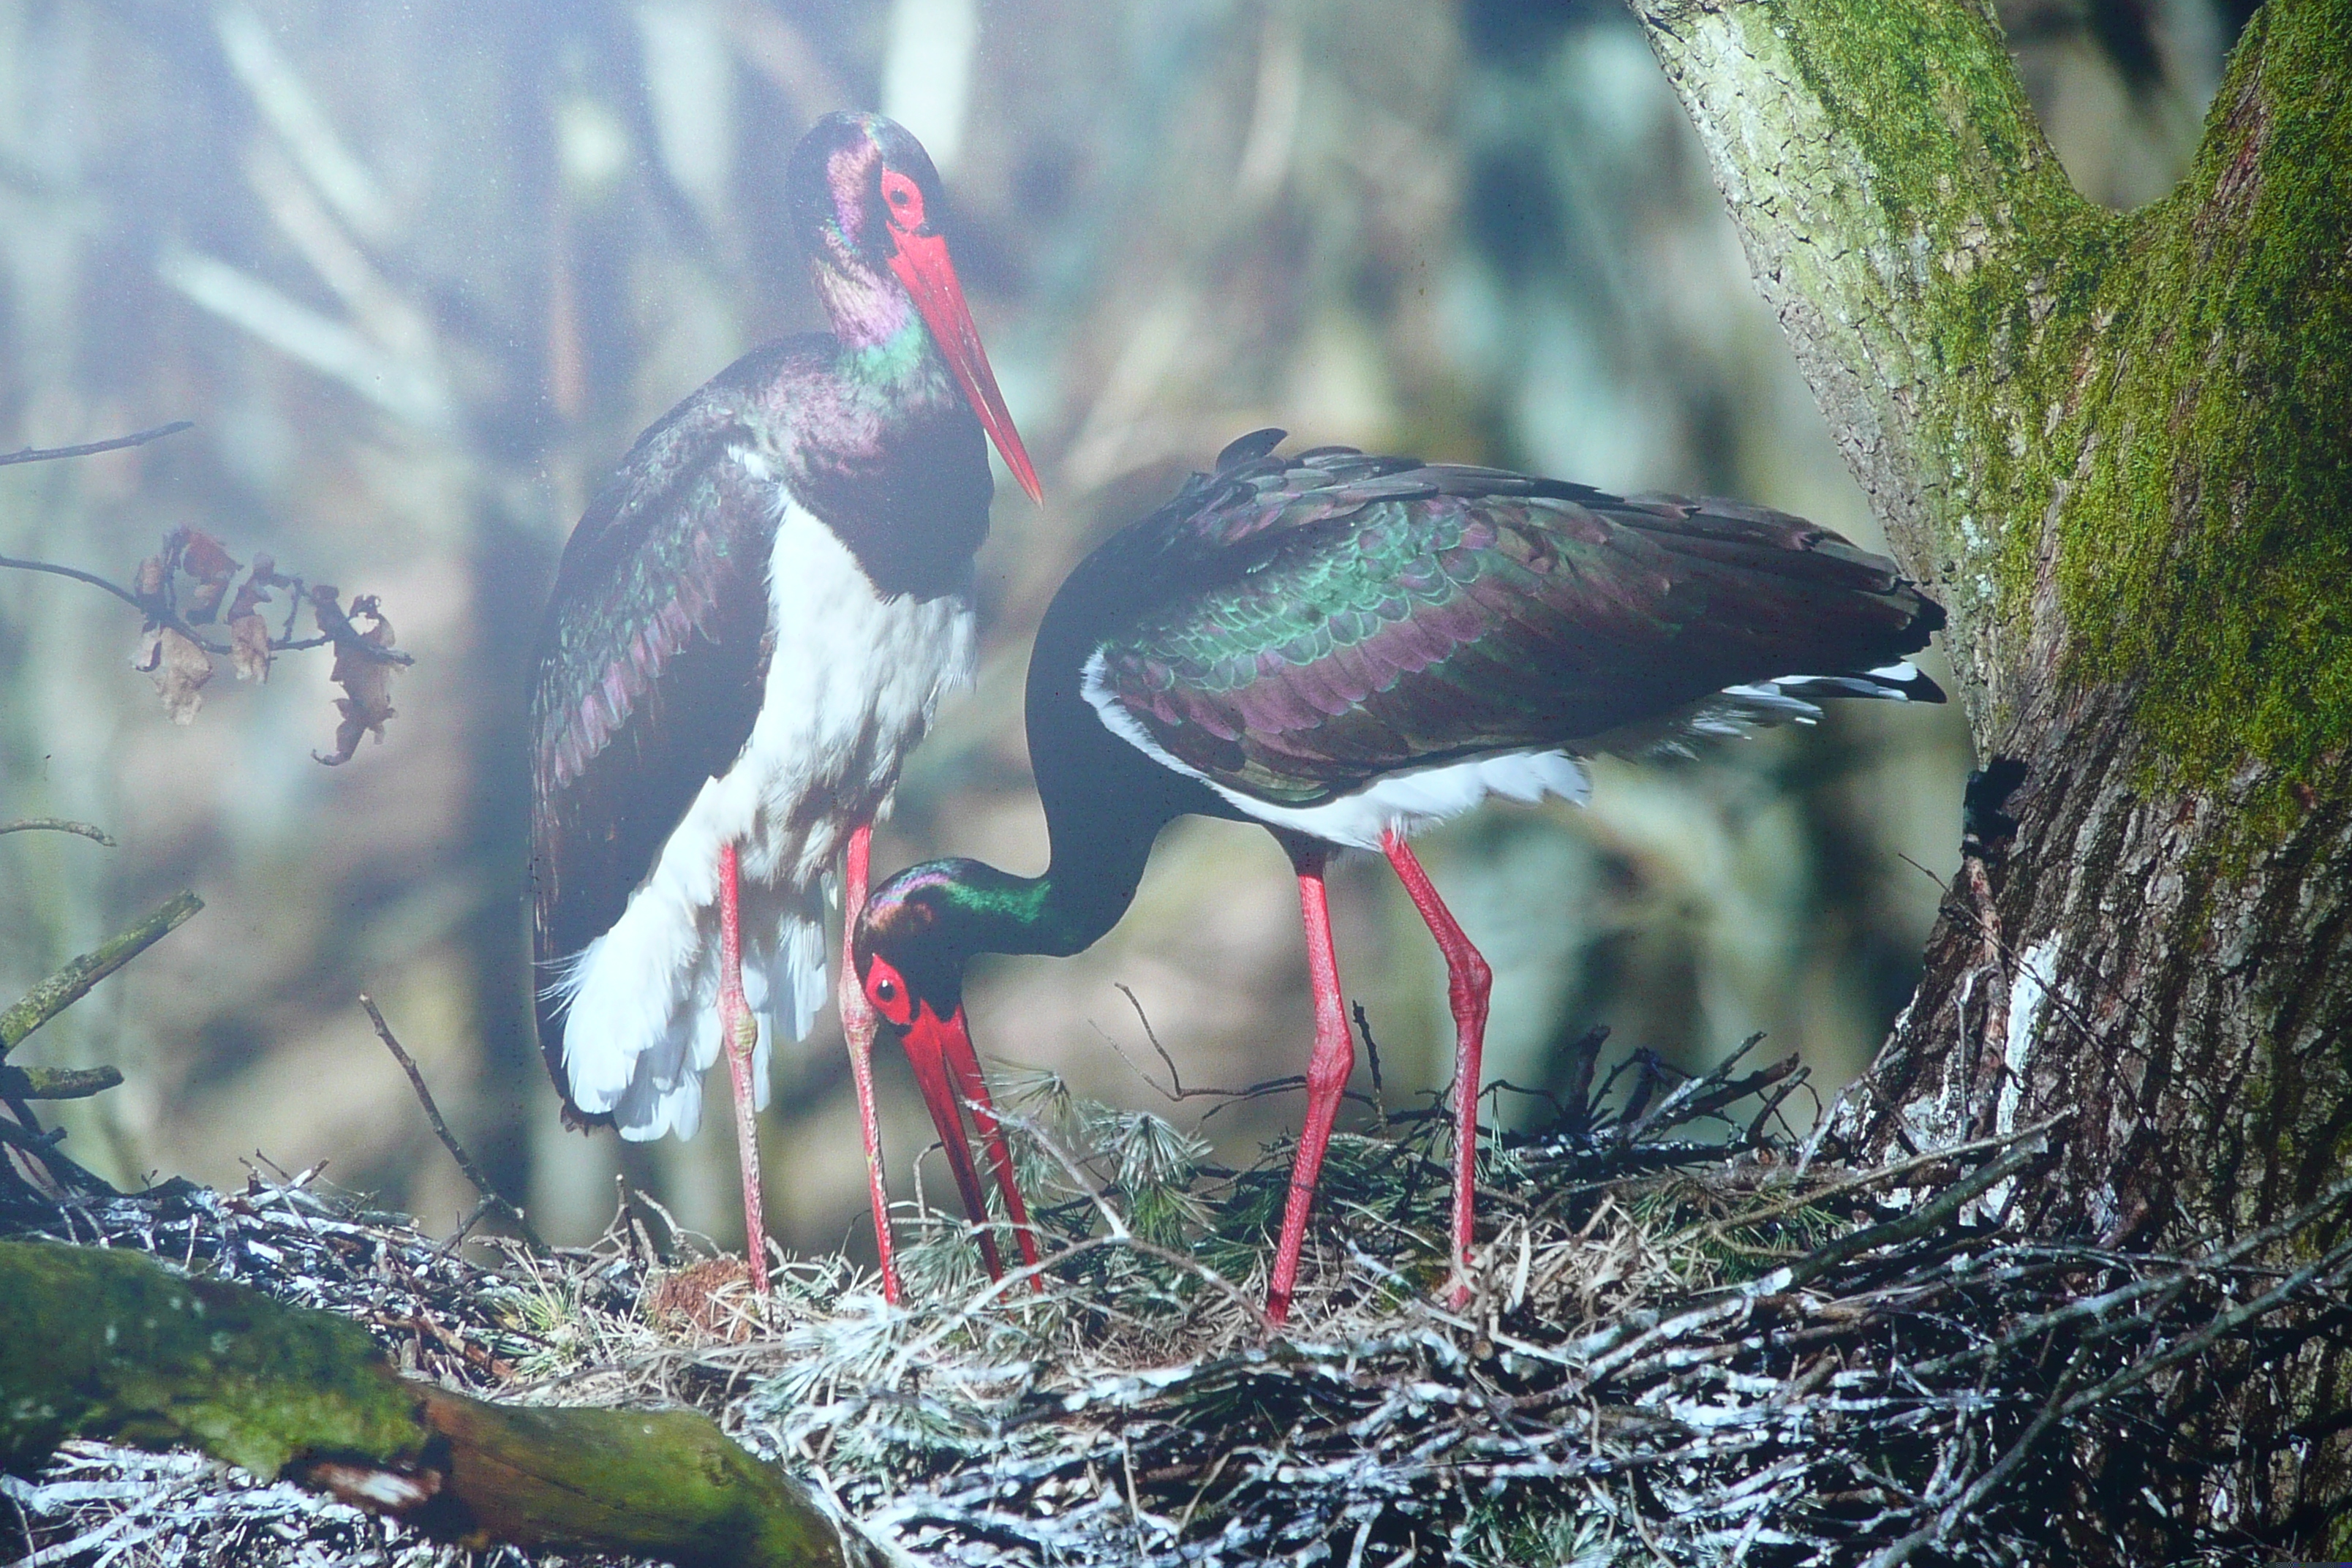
(1081, 894)
(906, 358)
(1104, 801)
(872, 317)
(886, 365)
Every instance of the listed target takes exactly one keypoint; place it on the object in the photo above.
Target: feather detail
(1297, 628)
(628, 952)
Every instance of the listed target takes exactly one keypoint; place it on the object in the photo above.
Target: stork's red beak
(933, 1042)
(947, 1072)
(923, 265)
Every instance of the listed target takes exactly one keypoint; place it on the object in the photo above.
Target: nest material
(1671, 1351)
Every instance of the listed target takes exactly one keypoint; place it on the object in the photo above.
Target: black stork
(1347, 648)
(751, 627)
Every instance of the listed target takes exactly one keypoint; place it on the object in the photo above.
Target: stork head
(909, 951)
(870, 213)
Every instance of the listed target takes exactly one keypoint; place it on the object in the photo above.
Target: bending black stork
(1347, 648)
(751, 628)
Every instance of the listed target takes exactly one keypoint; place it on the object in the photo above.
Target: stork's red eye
(906, 199)
(887, 991)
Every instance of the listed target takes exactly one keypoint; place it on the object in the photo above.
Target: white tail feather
(630, 1055)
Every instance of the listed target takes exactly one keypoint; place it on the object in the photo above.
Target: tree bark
(2119, 447)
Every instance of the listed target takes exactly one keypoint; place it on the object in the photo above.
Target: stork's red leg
(1326, 1069)
(740, 1032)
(972, 1088)
(858, 1031)
(1468, 984)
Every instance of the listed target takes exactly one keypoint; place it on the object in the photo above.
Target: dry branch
(59, 825)
(490, 1195)
(176, 651)
(69, 984)
(50, 454)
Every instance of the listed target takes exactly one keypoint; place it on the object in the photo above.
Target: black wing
(650, 668)
(1341, 617)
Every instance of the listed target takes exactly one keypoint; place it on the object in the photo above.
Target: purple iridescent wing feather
(649, 672)
(1330, 618)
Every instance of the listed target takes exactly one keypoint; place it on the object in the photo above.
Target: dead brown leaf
(254, 591)
(207, 560)
(179, 669)
(366, 679)
(249, 648)
(248, 634)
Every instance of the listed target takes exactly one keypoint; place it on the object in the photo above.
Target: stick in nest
(490, 1194)
(1177, 1091)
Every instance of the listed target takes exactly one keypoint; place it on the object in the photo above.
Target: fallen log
(113, 1346)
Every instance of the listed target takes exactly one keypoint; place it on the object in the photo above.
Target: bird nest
(1684, 1341)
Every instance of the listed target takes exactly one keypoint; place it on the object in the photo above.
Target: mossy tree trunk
(2119, 447)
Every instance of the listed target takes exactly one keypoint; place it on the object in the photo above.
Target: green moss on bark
(107, 1346)
(2127, 437)
(2157, 412)
(2207, 553)
(1860, 61)
(112, 1346)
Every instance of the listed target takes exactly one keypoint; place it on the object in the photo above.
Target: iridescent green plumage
(1318, 621)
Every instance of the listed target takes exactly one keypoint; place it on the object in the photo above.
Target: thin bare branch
(490, 1193)
(92, 448)
(58, 825)
(79, 575)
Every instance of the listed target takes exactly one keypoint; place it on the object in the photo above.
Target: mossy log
(115, 1346)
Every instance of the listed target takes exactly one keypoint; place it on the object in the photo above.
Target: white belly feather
(1410, 799)
(852, 685)
(1405, 801)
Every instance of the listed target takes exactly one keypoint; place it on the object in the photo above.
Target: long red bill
(971, 1089)
(923, 265)
(934, 1047)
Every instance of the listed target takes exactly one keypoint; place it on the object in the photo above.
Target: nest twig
(1677, 1350)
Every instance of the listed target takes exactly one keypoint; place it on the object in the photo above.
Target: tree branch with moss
(112, 1346)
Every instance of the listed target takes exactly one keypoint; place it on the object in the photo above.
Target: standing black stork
(1347, 648)
(751, 628)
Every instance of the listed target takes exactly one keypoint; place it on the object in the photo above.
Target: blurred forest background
(420, 271)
